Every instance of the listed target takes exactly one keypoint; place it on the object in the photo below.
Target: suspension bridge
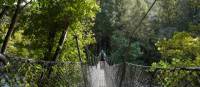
(23, 71)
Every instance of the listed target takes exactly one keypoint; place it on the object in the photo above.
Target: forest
(57, 43)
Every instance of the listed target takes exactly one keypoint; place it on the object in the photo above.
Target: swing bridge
(23, 72)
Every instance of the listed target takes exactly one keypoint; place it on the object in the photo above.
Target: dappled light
(99, 43)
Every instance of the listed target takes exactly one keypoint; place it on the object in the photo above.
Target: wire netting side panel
(26, 73)
(137, 77)
(112, 75)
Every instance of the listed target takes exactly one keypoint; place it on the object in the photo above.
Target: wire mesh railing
(27, 73)
(131, 76)
(22, 72)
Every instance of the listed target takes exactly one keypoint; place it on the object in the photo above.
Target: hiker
(102, 59)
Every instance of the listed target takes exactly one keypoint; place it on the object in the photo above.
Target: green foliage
(31, 39)
(26, 74)
(70, 52)
(119, 49)
(180, 51)
(126, 13)
(169, 12)
(116, 23)
(182, 45)
(44, 17)
(41, 23)
(194, 29)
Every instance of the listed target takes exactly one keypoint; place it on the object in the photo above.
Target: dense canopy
(38, 36)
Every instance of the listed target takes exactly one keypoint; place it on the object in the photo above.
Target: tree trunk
(48, 55)
(78, 49)
(60, 45)
(59, 48)
(51, 39)
(11, 27)
(79, 55)
(55, 55)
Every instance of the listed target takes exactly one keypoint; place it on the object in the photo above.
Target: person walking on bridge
(102, 61)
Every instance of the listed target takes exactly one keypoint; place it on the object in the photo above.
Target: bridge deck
(97, 75)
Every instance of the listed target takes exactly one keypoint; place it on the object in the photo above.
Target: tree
(11, 28)
(17, 11)
(180, 51)
(120, 18)
(37, 33)
(51, 21)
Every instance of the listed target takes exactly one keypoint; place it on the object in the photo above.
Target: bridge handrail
(194, 68)
(34, 61)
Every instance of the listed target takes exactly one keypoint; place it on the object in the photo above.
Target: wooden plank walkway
(97, 75)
